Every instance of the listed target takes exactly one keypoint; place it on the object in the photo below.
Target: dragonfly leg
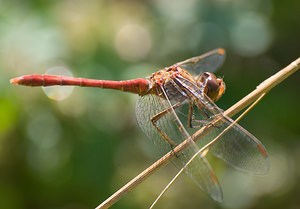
(158, 116)
(202, 122)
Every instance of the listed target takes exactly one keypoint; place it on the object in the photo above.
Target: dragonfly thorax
(164, 83)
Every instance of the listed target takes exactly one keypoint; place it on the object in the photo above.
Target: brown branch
(264, 87)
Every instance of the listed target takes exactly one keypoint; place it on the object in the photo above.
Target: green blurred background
(76, 152)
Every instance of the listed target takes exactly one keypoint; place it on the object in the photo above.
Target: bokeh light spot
(133, 42)
(58, 92)
(251, 35)
(44, 130)
(46, 152)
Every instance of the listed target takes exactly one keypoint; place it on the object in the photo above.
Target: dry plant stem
(264, 87)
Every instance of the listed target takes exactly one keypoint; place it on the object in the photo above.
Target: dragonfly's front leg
(156, 117)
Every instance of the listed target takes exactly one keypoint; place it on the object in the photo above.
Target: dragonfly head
(212, 86)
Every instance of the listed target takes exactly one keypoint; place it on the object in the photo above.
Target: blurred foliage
(76, 152)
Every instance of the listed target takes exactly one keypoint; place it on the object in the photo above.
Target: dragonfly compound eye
(212, 86)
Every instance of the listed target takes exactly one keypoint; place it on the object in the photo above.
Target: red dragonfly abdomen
(137, 86)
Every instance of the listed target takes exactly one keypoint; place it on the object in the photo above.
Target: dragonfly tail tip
(17, 80)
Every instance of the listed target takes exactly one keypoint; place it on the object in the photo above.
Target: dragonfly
(173, 104)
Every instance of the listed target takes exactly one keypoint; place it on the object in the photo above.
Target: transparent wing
(208, 62)
(237, 146)
(199, 170)
(240, 149)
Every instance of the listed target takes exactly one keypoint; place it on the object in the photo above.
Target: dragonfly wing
(240, 149)
(147, 107)
(236, 146)
(199, 170)
(208, 62)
